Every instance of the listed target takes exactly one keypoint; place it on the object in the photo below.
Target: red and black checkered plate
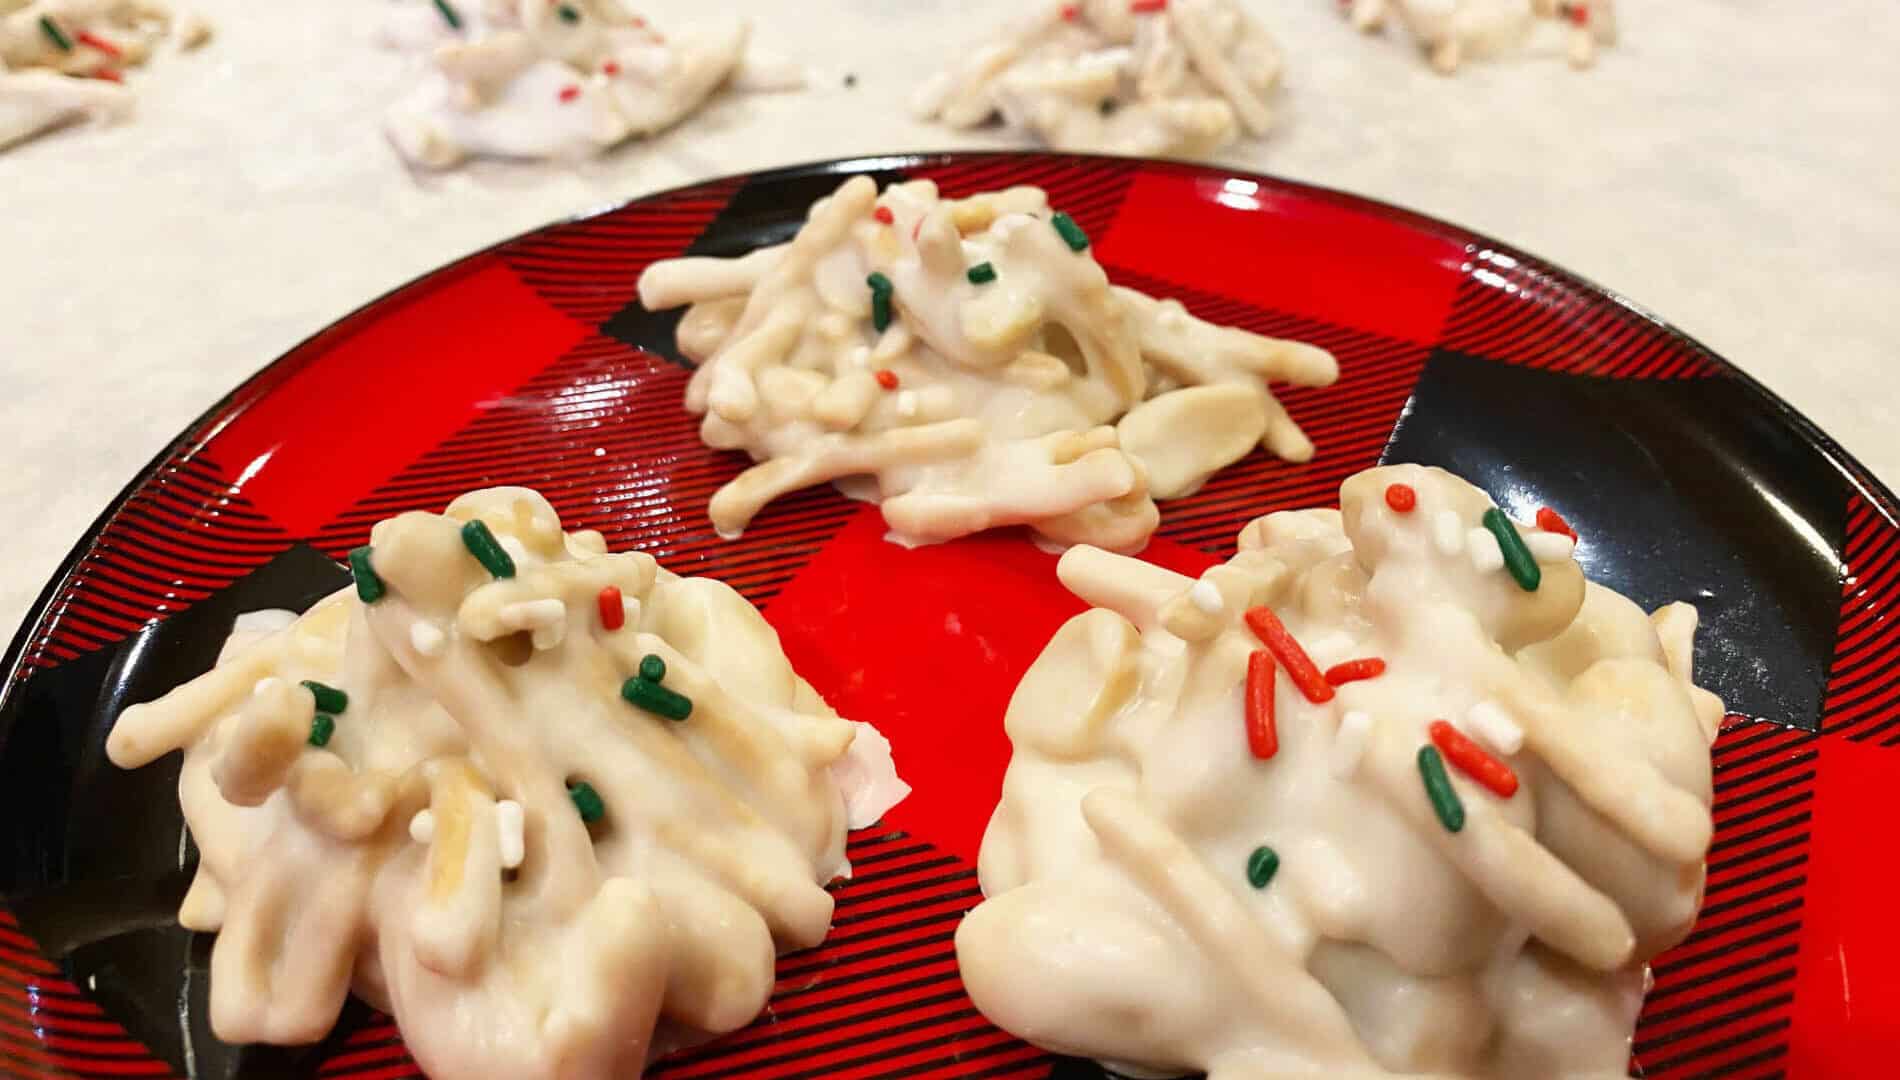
(530, 363)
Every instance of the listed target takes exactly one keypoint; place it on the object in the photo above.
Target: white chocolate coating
(1452, 31)
(44, 86)
(430, 857)
(1094, 75)
(533, 79)
(998, 396)
(1116, 867)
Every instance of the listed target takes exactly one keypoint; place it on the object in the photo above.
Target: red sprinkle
(1353, 670)
(569, 93)
(87, 37)
(610, 68)
(1552, 522)
(1262, 736)
(1579, 15)
(883, 215)
(1147, 7)
(613, 611)
(1300, 667)
(887, 379)
(1401, 498)
(1472, 759)
(108, 75)
(1071, 12)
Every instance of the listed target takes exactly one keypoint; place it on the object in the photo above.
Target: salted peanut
(790, 391)
(922, 311)
(1036, 370)
(1002, 320)
(1185, 436)
(1181, 78)
(1449, 32)
(846, 401)
(526, 795)
(1345, 805)
(269, 733)
(979, 212)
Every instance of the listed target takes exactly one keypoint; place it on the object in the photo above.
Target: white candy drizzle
(1209, 876)
(1181, 78)
(63, 61)
(962, 362)
(1452, 31)
(362, 782)
(554, 78)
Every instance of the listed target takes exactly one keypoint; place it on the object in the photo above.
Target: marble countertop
(1731, 166)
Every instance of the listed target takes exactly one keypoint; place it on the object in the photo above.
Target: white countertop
(1731, 165)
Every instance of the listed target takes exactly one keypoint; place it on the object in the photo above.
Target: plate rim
(204, 426)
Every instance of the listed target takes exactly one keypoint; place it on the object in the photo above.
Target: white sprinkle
(1206, 597)
(515, 549)
(265, 685)
(1350, 744)
(1549, 546)
(859, 357)
(600, 451)
(1486, 555)
(263, 621)
(547, 618)
(529, 614)
(1172, 318)
(1013, 222)
(1448, 533)
(425, 638)
(907, 403)
(422, 827)
(508, 825)
(1494, 727)
(630, 605)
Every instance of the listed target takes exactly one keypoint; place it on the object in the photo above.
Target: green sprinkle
(322, 726)
(880, 300)
(448, 14)
(51, 29)
(1261, 866)
(656, 699)
(568, 14)
(482, 544)
(587, 801)
(1517, 558)
(369, 587)
(329, 698)
(1431, 768)
(1071, 232)
(982, 274)
(652, 668)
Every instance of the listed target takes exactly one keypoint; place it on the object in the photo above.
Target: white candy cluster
(962, 362)
(62, 61)
(1168, 897)
(469, 822)
(562, 79)
(1452, 31)
(1173, 77)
